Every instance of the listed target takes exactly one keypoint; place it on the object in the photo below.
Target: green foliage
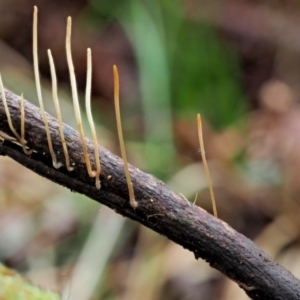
(206, 76)
(15, 287)
(184, 68)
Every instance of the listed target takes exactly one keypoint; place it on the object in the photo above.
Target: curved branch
(158, 207)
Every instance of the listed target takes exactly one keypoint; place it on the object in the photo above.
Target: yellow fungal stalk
(58, 112)
(211, 191)
(38, 89)
(76, 102)
(133, 203)
(19, 138)
(22, 140)
(90, 117)
(11, 126)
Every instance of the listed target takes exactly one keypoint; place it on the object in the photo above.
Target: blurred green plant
(206, 77)
(184, 68)
(15, 287)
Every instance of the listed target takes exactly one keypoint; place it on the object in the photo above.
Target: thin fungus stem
(38, 89)
(23, 141)
(20, 139)
(133, 203)
(90, 117)
(75, 98)
(58, 112)
(200, 135)
(10, 124)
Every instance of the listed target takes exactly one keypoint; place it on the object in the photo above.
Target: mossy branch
(158, 208)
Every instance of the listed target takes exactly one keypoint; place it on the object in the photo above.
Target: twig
(187, 225)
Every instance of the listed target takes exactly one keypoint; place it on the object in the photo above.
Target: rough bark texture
(158, 207)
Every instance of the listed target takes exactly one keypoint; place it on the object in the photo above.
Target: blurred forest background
(235, 62)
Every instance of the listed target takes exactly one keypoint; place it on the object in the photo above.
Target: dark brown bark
(158, 207)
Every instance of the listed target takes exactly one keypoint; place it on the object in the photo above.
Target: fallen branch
(158, 207)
